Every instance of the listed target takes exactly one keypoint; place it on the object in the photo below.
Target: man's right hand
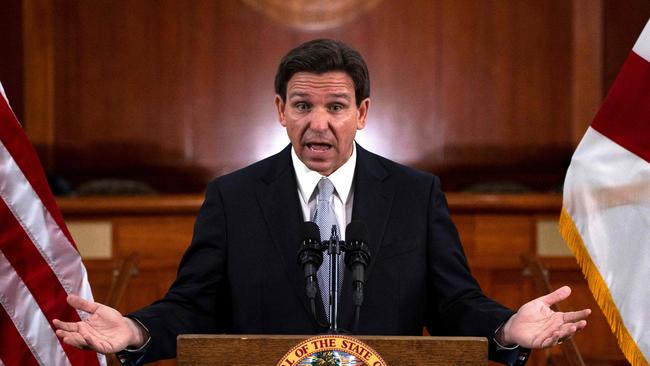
(105, 330)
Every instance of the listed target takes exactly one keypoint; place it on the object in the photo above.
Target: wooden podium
(252, 350)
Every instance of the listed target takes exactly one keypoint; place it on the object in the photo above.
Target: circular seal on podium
(331, 350)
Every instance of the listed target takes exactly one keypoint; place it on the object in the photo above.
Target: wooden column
(587, 65)
(39, 82)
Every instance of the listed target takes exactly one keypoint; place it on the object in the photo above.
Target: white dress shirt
(343, 190)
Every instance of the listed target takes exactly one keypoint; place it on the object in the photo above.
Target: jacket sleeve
(198, 300)
(459, 307)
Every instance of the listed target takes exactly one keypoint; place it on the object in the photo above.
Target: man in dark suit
(240, 275)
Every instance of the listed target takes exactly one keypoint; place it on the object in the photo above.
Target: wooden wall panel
(587, 65)
(123, 94)
(485, 238)
(39, 77)
(499, 77)
(174, 93)
(621, 28)
(11, 68)
(143, 234)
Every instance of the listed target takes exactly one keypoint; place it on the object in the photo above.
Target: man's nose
(319, 119)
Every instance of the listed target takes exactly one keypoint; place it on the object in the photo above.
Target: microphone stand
(357, 258)
(334, 250)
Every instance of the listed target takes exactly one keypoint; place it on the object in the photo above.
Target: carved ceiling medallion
(312, 14)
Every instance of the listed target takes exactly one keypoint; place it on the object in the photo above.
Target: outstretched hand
(536, 325)
(104, 331)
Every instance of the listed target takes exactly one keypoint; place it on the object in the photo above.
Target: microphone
(357, 257)
(310, 257)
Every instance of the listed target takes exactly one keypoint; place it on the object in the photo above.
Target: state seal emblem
(331, 350)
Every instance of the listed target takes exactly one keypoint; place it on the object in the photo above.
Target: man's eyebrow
(298, 94)
(342, 95)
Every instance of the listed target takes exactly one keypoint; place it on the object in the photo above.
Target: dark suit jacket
(240, 273)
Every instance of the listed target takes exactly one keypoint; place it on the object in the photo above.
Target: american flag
(39, 262)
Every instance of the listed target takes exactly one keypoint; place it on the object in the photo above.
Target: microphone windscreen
(356, 231)
(310, 231)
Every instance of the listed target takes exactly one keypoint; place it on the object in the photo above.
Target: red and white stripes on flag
(606, 207)
(39, 263)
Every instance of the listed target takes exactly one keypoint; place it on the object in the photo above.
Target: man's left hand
(536, 325)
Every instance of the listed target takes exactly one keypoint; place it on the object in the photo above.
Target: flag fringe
(600, 291)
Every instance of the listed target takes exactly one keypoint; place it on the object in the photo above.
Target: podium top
(248, 350)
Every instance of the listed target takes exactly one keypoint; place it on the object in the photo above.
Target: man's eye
(301, 106)
(336, 107)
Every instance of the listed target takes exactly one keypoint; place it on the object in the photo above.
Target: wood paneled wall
(11, 66)
(189, 85)
(176, 92)
(621, 27)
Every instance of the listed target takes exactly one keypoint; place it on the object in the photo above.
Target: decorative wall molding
(312, 15)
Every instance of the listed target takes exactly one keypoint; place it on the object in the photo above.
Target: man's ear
(279, 105)
(362, 113)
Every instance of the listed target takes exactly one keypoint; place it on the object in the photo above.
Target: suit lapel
(373, 197)
(283, 215)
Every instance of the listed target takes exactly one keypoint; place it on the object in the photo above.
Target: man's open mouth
(319, 146)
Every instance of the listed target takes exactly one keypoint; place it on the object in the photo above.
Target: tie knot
(325, 189)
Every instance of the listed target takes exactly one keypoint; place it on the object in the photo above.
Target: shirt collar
(341, 178)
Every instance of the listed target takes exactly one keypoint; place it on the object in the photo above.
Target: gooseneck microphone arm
(310, 258)
(357, 258)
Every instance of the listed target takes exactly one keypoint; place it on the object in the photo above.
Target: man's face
(322, 118)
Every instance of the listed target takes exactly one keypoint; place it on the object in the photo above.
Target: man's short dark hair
(320, 56)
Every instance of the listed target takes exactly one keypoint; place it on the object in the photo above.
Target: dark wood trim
(167, 204)
(536, 203)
